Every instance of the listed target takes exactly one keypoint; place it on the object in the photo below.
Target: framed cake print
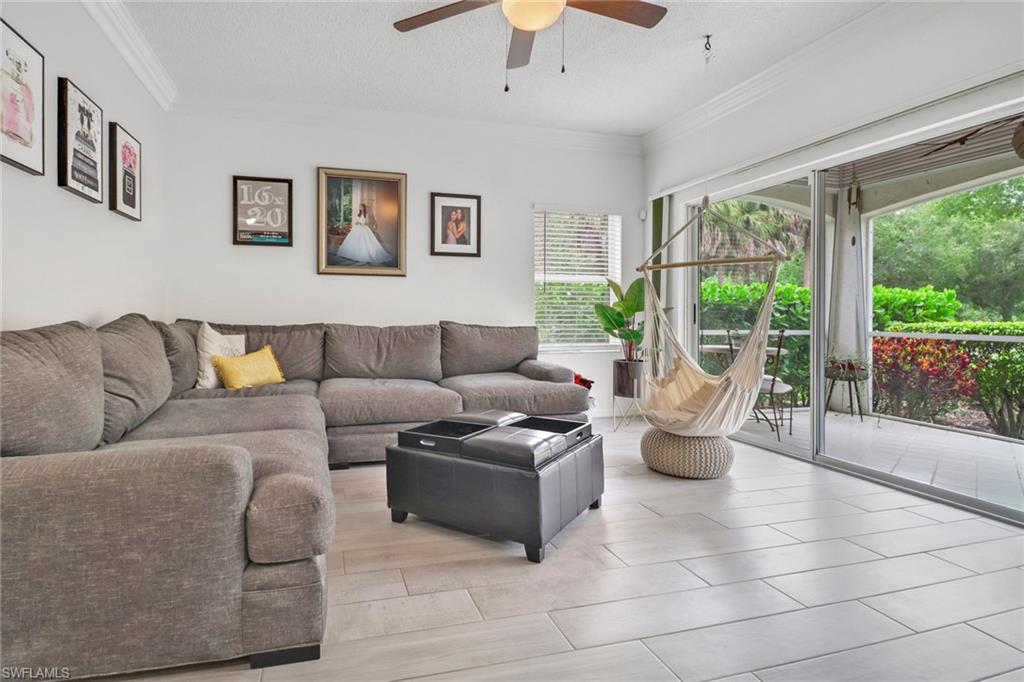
(125, 186)
(454, 224)
(79, 142)
(262, 211)
(22, 75)
(361, 222)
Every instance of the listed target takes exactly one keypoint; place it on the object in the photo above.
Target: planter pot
(626, 378)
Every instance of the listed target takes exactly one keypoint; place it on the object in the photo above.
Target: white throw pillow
(210, 343)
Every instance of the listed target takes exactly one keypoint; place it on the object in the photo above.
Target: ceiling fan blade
(635, 12)
(439, 13)
(520, 48)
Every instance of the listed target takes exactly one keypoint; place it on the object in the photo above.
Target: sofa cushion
(136, 374)
(510, 391)
(211, 344)
(406, 352)
(291, 513)
(377, 401)
(45, 373)
(476, 349)
(545, 371)
(298, 347)
(295, 387)
(205, 416)
(259, 368)
(180, 347)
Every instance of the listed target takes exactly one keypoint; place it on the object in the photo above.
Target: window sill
(553, 348)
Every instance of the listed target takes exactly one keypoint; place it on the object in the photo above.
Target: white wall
(64, 257)
(220, 281)
(510, 168)
(898, 56)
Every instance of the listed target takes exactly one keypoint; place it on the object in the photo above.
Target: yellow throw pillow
(254, 369)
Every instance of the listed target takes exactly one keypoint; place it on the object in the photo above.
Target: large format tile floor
(974, 465)
(780, 571)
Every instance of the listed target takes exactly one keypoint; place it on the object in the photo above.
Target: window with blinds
(573, 255)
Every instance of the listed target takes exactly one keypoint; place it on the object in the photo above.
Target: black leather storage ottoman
(501, 473)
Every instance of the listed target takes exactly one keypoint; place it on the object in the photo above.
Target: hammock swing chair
(680, 398)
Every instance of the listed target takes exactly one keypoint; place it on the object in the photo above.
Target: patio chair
(776, 390)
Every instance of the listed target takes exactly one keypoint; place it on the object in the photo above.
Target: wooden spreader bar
(711, 261)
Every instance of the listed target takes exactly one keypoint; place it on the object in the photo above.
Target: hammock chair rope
(678, 396)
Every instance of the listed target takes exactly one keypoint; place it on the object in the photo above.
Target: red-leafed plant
(921, 378)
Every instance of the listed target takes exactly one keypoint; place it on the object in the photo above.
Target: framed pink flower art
(125, 173)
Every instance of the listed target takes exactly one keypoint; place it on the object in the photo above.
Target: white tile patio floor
(986, 468)
(782, 570)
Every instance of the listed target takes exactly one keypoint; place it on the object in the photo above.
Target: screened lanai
(922, 317)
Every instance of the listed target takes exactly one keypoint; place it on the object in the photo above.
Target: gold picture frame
(360, 222)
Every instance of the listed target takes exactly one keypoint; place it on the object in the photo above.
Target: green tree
(971, 242)
(784, 229)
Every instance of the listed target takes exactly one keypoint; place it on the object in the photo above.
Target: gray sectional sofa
(372, 382)
(145, 523)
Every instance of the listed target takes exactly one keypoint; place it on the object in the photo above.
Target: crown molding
(115, 21)
(417, 125)
(787, 72)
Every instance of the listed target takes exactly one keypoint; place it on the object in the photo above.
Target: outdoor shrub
(921, 378)
(1000, 369)
(957, 327)
(912, 305)
(1001, 391)
(734, 305)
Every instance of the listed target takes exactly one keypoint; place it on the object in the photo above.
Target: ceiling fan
(529, 16)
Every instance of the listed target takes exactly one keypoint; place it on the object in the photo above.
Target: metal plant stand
(625, 386)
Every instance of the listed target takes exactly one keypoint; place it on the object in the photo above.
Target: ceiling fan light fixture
(532, 15)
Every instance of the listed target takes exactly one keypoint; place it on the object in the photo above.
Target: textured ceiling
(620, 78)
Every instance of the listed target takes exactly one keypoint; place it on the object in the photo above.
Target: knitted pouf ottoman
(686, 456)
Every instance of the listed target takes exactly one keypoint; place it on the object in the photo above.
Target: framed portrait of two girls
(454, 224)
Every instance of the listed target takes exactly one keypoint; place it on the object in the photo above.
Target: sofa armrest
(123, 559)
(545, 371)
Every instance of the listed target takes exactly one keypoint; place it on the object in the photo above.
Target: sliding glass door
(921, 358)
(730, 296)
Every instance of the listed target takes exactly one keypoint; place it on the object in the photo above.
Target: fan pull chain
(563, 42)
(508, 45)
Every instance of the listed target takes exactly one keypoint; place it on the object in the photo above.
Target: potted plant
(620, 320)
(846, 368)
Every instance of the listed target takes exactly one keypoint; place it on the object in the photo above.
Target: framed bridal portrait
(454, 224)
(361, 222)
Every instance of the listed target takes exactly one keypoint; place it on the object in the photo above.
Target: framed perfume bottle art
(22, 75)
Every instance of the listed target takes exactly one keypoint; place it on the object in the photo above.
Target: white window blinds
(573, 254)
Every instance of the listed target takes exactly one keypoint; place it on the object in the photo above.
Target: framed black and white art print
(454, 224)
(22, 75)
(125, 185)
(79, 142)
